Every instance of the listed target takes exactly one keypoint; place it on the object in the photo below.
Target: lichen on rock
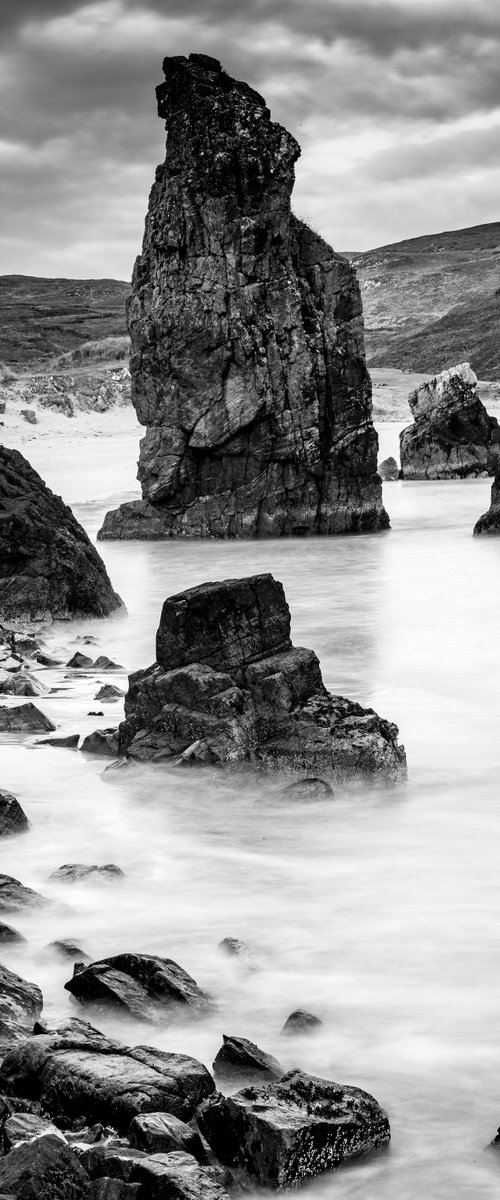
(248, 365)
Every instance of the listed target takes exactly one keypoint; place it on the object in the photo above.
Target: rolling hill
(43, 318)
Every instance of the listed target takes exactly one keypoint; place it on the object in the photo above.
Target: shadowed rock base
(248, 366)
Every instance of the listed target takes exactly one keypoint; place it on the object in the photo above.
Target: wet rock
(25, 1127)
(452, 436)
(490, 520)
(25, 718)
(66, 949)
(388, 469)
(67, 741)
(294, 1129)
(173, 1176)
(299, 1022)
(159, 1133)
(21, 1003)
(95, 713)
(108, 691)
(248, 365)
(234, 948)
(312, 788)
(77, 1072)
(42, 1169)
(9, 934)
(239, 1059)
(47, 660)
(21, 684)
(101, 741)
(14, 895)
(50, 569)
(74, 872)
(228, 688)
(103, 663)
(79, 661)
(12, 818)
(147, 987)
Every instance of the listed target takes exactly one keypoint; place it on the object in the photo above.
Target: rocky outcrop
(78, 1072)
(490, 520)
(228, 687)
(145, 986)
(452, 436)
(49, 567)
(248, 366)
(294, 1129)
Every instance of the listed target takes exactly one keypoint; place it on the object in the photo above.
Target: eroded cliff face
(248, 365)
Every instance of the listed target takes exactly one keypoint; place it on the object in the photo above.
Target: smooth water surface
(378, 910)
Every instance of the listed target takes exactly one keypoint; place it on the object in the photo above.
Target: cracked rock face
(228, 687)
(248, 367)
(48, 566)
(452, 436)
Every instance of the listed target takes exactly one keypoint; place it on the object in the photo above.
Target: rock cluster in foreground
(49, 567)
(248, 364)
(228, 687)
(490, 520)
(452, 436)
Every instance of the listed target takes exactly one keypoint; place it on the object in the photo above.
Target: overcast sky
(395, 103)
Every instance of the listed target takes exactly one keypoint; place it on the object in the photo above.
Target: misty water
(377, 910)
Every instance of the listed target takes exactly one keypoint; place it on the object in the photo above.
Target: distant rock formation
(48, 566)
(67, 394)
(490, 521)
(248, 365)
(453, 436)
(388, 469)
(228, 687)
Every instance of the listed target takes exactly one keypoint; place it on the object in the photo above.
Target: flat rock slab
(78, 1072)
(294, 1129)
(240, 1059)
(147, 987)
(172, 1176)
(42, 1169)
(12, 818)
(69, 741)
(14, 895)
(24, 718)
(21, 1003)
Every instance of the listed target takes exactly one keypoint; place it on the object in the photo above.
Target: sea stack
(248, 365)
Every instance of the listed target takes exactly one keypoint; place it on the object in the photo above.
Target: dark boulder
(47, 660)
(74, 872)
(109, 691)
(68, 741)
(173, 1176)
(452, 436)
(147, 987)
(10, 935)
(490, 520)
(103, 663)
(50, 569)
(159, 1133)
(300, 1021)
(14, 895)
(65, 948)
(248, 364)
(294, 1129)
(239, 1059)
(103, 742)
(230, 688)
(24, 718)
(44, 1169)
(388, 469)
(77, 1072)
(21, 684)
(12, 818)
(79, 661)
(25, 1127)
(21, 1003)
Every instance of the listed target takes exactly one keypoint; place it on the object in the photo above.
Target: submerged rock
(294, 1129)
(9, 934)
(239, 1059)
(229, 687)
(490, 520)
(248, 365)
(299, 1022)
(21, 1003)
(12, 818)
(77, 1072)
(147, 987)
(50, 569)
(14, 895)
(74, 872)
(452, 436)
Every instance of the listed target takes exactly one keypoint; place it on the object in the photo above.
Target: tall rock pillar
(248, 366)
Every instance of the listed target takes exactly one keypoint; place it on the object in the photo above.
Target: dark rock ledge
(229, 688)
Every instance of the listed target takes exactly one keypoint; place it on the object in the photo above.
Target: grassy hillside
(432, 301)
(43, 318)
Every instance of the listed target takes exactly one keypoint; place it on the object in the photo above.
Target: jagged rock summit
(452, 436)
(49, 567)
(229, 688)
(248, 365)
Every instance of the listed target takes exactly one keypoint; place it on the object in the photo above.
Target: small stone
(300, 1021)
(29, 415)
